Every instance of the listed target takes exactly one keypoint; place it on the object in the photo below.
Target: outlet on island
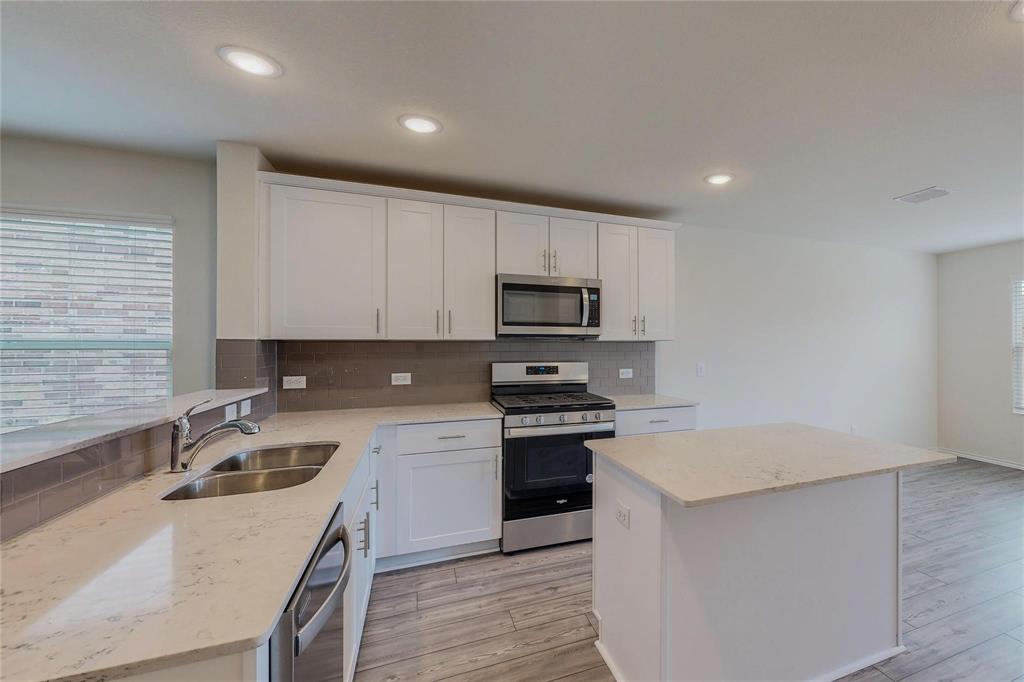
(626, 373)
(401, 378)
(293, 382)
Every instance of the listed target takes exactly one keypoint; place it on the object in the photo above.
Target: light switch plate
(401, 378)
(246, 407)
(622, 514)
(294, 382)
(231, 412)
(626, 373)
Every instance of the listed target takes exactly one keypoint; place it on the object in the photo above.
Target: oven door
(548, 470)
(529, 305)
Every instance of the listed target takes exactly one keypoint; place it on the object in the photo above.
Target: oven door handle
(586, 307)
(534, 431)
(308, 632)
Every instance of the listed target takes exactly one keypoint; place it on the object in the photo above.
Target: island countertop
(130, 583)
(702, 467)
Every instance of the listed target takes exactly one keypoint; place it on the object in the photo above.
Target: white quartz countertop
(648, 401)
(28, 446)
(131, 583)
(702, 467)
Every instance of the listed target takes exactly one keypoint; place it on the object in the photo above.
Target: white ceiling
(824, 110)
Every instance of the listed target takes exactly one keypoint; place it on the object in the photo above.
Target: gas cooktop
(551, 401)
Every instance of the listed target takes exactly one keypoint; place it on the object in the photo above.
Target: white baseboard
(433, 556)
(982, 458)
(860, 664)
(616, 673)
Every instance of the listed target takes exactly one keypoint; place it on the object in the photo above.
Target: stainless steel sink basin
(236, 483)
(279, 457)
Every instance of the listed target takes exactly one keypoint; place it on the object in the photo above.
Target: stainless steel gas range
(548, 477)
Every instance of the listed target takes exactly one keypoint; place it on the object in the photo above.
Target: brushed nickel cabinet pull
(554, 260)
(378, 320)
(544, 260)
(376, 493)
(451, 323)
(459, 435)
(643, 326)
(437, 322)
(658, 421)
(634, 325)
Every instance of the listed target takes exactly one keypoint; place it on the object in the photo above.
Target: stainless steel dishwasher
(308, 644)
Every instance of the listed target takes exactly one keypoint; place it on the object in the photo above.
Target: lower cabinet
(655, 420)
(360, 519)
(447, 498)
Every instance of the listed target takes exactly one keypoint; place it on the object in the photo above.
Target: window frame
(20, 212)
(1017, 346)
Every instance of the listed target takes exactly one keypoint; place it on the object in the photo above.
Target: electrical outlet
(701, 369)
(622, 514)
(401, 378)
(626, 373)
(230, 412)
(853, 429)
(294, 382)
(246, 407)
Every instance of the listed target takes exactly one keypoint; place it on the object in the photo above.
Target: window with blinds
(1018, 346)
(85, 315)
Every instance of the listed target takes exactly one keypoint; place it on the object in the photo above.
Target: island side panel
(802, 584)
(627, 573)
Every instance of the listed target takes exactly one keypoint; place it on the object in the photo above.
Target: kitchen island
(701, 574)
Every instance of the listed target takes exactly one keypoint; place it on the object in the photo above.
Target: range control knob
(563, 418)
(584, 416)
(540, 419)
(525, 420)
(597, 416)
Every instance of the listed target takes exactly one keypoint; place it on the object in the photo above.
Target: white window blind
(1018, 346)
(85, 315)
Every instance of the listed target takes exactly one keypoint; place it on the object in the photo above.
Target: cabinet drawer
(635, 422)
(440, 436)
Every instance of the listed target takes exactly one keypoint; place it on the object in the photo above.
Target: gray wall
(61, 175)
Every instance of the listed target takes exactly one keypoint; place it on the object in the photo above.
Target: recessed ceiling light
(250, 61)
(719, 178)
(420, 124)
(1017, 11)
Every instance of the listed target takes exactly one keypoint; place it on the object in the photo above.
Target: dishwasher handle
(308, 632)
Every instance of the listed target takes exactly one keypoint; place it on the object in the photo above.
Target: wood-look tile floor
(527, 616)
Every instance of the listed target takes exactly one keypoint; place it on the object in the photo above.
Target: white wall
(789, 329)
(62, 175)
(975, 409)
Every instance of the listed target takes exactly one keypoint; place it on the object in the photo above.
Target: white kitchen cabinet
(656, 275)
(448, 498)
(360, 519)
(469, 269)
(617, 263)
(416, 255)
(523, 244)
(637, 270)
(573, 247)
(328, 264)
(655, 420)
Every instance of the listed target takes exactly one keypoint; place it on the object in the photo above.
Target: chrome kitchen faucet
(181, 436)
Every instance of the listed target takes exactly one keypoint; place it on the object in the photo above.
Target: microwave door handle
(308, 632)
(586, 307)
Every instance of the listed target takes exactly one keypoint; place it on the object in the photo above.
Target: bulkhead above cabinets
(341, 260)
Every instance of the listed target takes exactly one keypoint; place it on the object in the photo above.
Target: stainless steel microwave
(530, 305)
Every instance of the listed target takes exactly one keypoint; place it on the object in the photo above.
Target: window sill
(28, 446)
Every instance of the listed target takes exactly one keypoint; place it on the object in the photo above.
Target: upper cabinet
(522, 244)
(538, 245)
(637, 271)
(573, 247)
(469, 282)
(415, 269)
(328, 264)
(337, 265)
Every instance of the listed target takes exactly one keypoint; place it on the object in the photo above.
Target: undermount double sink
(258, 470)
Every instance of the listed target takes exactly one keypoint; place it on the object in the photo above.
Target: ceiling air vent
(922, 195)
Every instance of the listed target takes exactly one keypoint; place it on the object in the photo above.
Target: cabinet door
(657, 283)
(522, 244)
(573, 248)
(357, 594)
(448, 498)
(327, 264)
(469, 285)
(617, 269)
(415, 269)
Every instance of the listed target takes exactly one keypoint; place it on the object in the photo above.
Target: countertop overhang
(703, 467)
(131, 583)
